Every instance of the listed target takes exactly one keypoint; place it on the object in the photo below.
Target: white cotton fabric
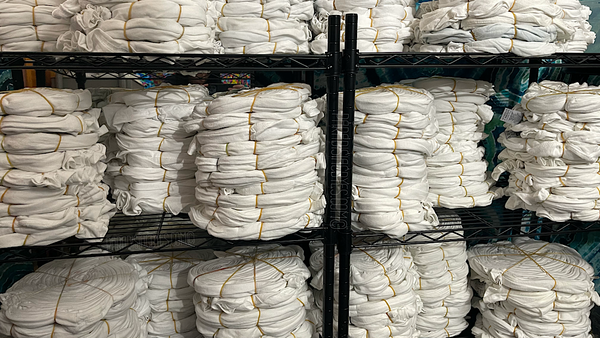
(383, 26)
(502, 26)
(461, 114)
(151, 26)
(169, 295)
(394, 131)
(151, 172)
(91, 297)
(30, 26)
(382, 299)
(259, 157)
(531, 288)
(552, 156)
(51, 167)
(234, 293)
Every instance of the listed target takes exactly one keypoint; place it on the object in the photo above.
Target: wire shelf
(144, 233)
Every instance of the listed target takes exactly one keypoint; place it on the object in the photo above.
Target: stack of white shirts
(383, 25)
(152, 171)
(271, 27)
(169, 295)
(457, 171)
(525, 28)
(50, 168)
(148, 26)
(83, 297)
(28, 25)
(394, 130)
(253, 292)
(259, 153)
(443, 287)
(383, 302)
(531, 289)
(553, 154)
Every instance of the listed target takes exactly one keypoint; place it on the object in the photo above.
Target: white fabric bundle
(382, 299)
(442, 286)
(253, 292)
(394, 130)
(151, 172)
(552, 156)
(83, 297)
(502, 26)
(51, 168)
(30, 27)
(149, 26)
(461, 115)
(383, 26)
(169, 291)
(531, 288)
(264, 28)
(259, 153)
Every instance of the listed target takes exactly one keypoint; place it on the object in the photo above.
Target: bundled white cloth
(253, 292)
(151, 172)
(92, 297)
(531, 288)
(552, 155)
(383, 26)
(502, 26)
(390, 173)
(169, 291)
(159, 26)
(461, 115)
(51, 168)
(382, 299)
(259, 153)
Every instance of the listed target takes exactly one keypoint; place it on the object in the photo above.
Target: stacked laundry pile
(83, 297)
(552, 155)
(394, 131)
(259, 153)
(257, 27)
(148, 26)
(50, 168)
(253, 292)
(169, 294)
(531, 288)
(152, 173)
(443, 286)
(457, 171)
(525, 28)
(382, 300)
(383, 26)
(28, 25)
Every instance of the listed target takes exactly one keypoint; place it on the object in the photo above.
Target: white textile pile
(457, 171)
(525, 28)
(257, 27)
(148, 26)
(50, 168)
(443, 283)
(382, 300)
(152, 172)
(553, 155)
(394, 131)
(383, 26)
(531, 288)
(254, 292)
(169, 295)
(259, 160)
(28, 25)
(96, 297)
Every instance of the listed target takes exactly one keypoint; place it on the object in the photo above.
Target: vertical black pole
(17, 79)
(40, 78)
(534, 71)
(331, 153)
(80, 77)
(345, 230)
